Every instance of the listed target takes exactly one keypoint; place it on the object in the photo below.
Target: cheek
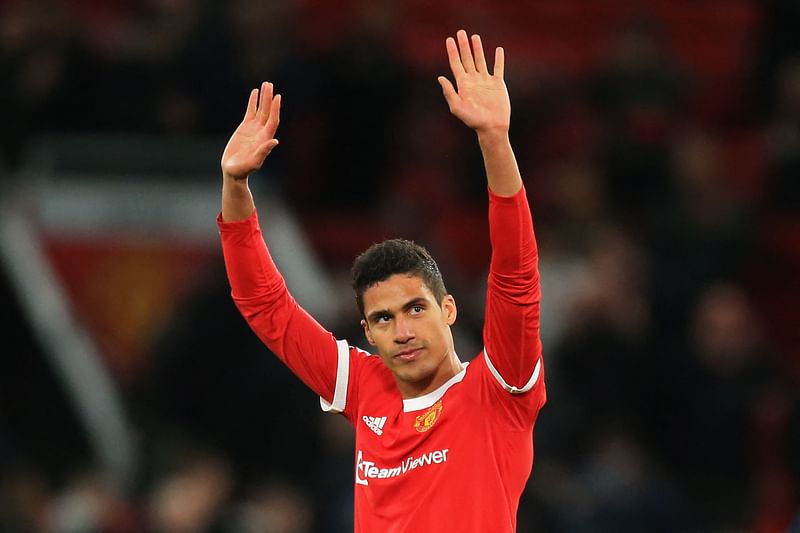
(381, 341)
(436, 331)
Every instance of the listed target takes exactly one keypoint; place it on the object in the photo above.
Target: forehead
(394, 292)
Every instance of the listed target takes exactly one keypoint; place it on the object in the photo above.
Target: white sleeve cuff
(510, 388)
(342, 377)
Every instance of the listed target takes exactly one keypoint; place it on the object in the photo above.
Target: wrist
(237, 200)
(493, 136)
(237, 181)
(236, 188)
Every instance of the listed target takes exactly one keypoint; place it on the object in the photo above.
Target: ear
(449, 309)
(367, 333)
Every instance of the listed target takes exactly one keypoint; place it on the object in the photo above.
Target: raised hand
(481, 99)
(254, 139)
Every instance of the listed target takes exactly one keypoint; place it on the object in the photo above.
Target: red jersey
(456, 459)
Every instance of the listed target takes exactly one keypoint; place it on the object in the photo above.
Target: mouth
(409, 355)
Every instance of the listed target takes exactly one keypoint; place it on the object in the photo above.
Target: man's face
(411, 332)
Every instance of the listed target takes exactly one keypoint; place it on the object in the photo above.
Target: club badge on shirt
(426, 420)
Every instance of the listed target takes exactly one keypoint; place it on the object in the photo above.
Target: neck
(451, 366)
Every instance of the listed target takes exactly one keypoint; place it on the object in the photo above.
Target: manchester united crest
(426, 420)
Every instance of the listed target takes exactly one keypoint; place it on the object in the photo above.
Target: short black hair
(395, 256)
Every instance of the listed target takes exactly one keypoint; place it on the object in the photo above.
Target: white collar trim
(426, 400)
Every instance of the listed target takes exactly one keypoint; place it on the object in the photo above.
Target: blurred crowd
(662, 168)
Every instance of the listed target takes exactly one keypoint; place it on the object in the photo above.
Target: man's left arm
(512, 343)
(511, 331)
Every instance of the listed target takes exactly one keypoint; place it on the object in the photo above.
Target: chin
(416, 375)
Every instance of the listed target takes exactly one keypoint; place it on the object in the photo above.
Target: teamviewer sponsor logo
(366, 470)
(375, 423)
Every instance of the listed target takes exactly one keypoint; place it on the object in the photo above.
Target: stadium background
(660, 146)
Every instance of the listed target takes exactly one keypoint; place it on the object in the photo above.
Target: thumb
(266, 148)
(450, 93)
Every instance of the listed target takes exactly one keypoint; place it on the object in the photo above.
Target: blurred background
(659, 142)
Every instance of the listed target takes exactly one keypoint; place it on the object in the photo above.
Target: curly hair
(395, 256)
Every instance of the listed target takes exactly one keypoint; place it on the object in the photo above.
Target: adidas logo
(375, 423)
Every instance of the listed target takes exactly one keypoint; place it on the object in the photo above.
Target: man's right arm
(258, 289)
(260, 293)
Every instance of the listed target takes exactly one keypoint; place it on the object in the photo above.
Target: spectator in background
(24, 499)
(359, 77)
(90, 504)
(37, 53)
(334, 490)
(257, 37)
(188, 391)
(698, 233)
(778, 44)
(783, 195)
(639, 93)
(711, 386)
(576, 216)
(175, 47)
(624, 492)
(191, 496)
(599, 364)
(274, 507)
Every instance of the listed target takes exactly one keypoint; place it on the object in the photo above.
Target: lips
(409, 355)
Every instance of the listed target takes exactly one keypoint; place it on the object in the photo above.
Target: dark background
(659, 142)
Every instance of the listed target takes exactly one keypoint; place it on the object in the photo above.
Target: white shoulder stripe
(342, 377)
(510, 388)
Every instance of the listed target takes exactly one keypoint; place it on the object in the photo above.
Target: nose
(402, 330)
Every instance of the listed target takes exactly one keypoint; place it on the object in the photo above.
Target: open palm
(481, 100)
(255, 138)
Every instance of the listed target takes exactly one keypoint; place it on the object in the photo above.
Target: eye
(382, 319)
(416, 309)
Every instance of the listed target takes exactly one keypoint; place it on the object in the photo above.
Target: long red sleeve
(260, 294)
(511, 328)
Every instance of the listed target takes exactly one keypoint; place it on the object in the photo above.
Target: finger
(466, 54)
(477, 51)
(274, 116)
(250, 112)
(266, 101)
(452, 56)
(265, 149)
(450, 94)
(268, 146)
(499, 62)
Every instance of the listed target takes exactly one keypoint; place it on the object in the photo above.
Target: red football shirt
(456, 459)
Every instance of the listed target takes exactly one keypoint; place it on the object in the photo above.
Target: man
(440, 445)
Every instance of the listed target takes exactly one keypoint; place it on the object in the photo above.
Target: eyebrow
(375, 315)
(419, 300)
